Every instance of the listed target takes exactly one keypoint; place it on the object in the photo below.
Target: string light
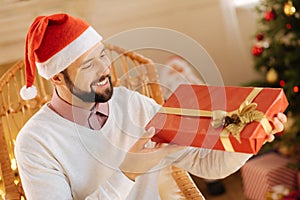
(2, 194)
(282, 83)
(288, 26)
(13, 164)
(296, 89)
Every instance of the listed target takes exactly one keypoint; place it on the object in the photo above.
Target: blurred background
(252, 42)
(221, 27)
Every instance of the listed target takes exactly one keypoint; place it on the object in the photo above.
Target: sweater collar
(74, 113)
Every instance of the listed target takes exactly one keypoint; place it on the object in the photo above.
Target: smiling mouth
(102, 82)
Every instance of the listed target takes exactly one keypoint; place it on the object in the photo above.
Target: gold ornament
(272, 76)
(289, 9)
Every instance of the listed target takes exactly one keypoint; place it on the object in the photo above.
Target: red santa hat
(52, 44)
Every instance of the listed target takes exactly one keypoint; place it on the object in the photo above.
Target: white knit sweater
(60, 160)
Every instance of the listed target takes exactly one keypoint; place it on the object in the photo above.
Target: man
(89, 141)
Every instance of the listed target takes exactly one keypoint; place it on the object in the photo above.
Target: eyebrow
(91, 59)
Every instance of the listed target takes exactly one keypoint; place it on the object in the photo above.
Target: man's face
(88, 78)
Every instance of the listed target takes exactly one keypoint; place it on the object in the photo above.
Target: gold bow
(235, 121)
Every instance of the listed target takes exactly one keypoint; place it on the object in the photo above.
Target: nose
(103, 65)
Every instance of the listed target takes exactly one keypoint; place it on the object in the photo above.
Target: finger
(159, 145)
(141, 142)
(163, 149)
(172, 148)
(146, 136)
(148, 133)
(282, 117)
(270, 138)
(278, 126)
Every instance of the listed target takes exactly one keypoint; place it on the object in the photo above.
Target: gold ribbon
(233, 122)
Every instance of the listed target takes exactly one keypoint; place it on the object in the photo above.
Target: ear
(58, 79)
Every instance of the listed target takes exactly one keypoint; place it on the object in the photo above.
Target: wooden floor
(233, 185)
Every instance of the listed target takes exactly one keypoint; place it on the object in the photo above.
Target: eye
(102, 54)
(87, 65)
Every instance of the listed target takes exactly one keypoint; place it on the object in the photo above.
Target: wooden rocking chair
(129, 69)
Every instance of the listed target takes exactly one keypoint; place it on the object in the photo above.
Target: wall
(204, 21)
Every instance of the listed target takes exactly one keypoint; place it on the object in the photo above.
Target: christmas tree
(276, 54)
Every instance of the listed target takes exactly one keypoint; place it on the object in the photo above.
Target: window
(241, 3)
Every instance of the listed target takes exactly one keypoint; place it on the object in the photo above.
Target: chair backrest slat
(14, 113)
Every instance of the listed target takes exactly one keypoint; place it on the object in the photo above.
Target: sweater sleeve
(208, 164)
(43, 180)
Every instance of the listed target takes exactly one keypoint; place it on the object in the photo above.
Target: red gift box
(186, 117)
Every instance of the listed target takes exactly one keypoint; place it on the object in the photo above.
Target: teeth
(101, 82)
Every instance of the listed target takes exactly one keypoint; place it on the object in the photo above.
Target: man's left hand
(278, 121)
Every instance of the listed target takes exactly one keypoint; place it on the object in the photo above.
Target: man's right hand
(140, 159)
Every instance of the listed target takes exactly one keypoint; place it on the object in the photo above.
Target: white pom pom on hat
(28, 93)
(53, 43)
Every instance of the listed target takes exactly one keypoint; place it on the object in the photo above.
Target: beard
(89, 96)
